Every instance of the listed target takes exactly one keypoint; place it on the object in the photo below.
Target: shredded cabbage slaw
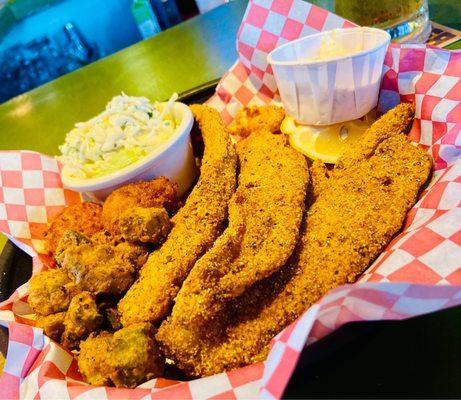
(129, 129)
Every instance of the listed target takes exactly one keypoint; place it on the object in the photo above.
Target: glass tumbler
(405, 20)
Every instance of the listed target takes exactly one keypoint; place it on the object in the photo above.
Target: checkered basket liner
(419, 272)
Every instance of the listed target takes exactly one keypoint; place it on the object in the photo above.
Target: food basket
(417, 273)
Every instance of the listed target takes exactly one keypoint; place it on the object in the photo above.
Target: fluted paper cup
(334, 89)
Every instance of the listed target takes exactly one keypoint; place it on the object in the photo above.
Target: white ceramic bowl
(335, 89)
(174, 160)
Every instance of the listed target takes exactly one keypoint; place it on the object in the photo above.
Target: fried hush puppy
(195, 227)
(91, 219)
(85, 218)
(159, 192)
(251, 119)
(265, 215)
(356, 212)
(125, 358)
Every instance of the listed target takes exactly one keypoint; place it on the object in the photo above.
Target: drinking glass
(405, 20)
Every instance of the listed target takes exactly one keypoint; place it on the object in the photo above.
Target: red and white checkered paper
(419, 272)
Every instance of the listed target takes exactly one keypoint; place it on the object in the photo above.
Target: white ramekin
(174, 160)
(325, 92)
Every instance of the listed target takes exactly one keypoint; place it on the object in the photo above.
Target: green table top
(192, 53)
(188, 55)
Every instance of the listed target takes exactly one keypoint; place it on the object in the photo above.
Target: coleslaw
(129, 129)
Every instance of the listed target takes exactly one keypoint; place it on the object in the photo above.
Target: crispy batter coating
(195, 227)
(395, 122)
(81, 319)
(96, 268)
(102, 268)
(265, 214)
(353, 218)
(145, 225)
(135, 356)
(69, 239)
(126, 358)
(85, 218)
(132, 253)
(92, 359)
(254, 118)
(52, 325)
(159, 192)
(50, 291)
(105, 237)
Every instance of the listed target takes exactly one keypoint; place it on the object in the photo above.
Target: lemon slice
(326, 143)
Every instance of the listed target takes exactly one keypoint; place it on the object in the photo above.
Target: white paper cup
(325, 92)
(175, 160)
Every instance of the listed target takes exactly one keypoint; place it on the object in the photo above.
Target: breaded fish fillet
(195, 227)
(395, 122)
(354, 217)
(265, 215)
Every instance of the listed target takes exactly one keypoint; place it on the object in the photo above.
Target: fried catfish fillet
(85, 218)
(265, 215)
(125, 358)
(354, 216)
(395, 122)
(159, 192)
(255, 118)
(195, 227)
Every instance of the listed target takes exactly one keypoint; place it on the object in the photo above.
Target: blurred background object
(41, 40)
(207, 5)
(167, 12)
(31, 64)
(145, 18)
(405, 20)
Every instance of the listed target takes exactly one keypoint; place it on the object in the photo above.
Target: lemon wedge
(326, 143)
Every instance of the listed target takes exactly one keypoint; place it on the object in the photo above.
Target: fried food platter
(265, 192)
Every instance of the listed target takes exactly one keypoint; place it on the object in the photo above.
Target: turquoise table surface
(188, 55)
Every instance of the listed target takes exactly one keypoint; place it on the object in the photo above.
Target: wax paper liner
(417, 273)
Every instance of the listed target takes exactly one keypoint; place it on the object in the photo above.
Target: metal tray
(415, 358)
